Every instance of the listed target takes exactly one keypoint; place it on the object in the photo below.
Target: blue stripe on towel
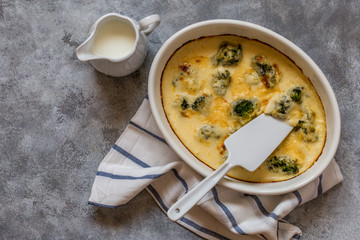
(202, 229)
(130, 156)
(113, 176)
(263, 236)
(320, 185)
(158, 198)
(261, 207)
(180, 179)
(148, 132)
(104, 205)
(183, 219)
(298, 196)
(227, 212)
(296, 236)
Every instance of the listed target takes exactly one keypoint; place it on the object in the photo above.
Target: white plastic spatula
(248, 147)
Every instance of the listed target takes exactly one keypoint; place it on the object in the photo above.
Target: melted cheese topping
(199, 103)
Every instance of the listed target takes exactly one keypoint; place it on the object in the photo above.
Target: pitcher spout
(84, 53)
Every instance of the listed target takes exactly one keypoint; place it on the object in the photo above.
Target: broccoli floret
(306, 127)
(184, 104)
(265, 70)
(283, 105)
(279, 106)
(181, 103)
(220, 82)
(206, 132)
(282, 163)
(300, 125)
(261, 67)
(295, 94)
(199, 103)
(227, 55)
(243, 108)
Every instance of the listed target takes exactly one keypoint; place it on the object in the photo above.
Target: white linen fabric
(141, 159)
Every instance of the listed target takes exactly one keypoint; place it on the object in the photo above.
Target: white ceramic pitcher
(123, 65)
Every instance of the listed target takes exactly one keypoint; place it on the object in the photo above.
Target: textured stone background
(59, 117)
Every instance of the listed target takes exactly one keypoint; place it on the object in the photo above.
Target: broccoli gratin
(214, 85)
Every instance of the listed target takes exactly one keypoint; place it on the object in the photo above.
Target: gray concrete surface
(59, 117)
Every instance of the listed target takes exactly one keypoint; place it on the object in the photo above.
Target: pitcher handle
(149, 23)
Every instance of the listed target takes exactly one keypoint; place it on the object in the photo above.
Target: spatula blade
(252, 144)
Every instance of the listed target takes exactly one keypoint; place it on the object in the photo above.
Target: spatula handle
(185, 203)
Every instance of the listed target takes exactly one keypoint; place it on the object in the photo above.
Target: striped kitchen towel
(141, 159)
